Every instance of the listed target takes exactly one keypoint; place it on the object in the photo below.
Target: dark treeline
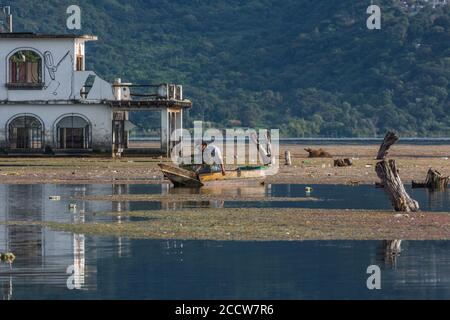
(308, 67)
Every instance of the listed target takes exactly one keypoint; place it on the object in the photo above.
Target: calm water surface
(49, 264)
(115, 268)
(38, 206)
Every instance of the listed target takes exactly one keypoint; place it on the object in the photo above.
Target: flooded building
(49, 103)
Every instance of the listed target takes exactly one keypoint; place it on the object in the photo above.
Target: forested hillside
(308, 67)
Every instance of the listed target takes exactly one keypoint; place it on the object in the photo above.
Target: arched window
(73, 132)
(25, 68)
(25, 132)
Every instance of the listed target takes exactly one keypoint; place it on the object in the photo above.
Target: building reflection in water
(42, 256)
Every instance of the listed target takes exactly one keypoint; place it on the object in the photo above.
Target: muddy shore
(244, 223)
(413, 162)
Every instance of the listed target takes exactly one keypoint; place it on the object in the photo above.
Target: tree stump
(390, 179)
(388, 174)
(434, 181)
(388, 141)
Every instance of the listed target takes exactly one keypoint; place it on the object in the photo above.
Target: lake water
(61, 265)
(115, 268)
(38, 206)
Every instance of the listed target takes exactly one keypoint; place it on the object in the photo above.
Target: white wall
(61, 81)
(100, 117)
(58, 89)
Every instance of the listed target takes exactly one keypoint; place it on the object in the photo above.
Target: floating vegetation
(263, 224)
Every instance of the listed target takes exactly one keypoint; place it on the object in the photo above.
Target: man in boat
(212, 159)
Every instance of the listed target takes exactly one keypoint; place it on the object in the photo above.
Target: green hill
(309, 67)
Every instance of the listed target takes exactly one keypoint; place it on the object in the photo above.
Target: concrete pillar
(118, 89)
(165, 131)
(179, 124)
(180, 120)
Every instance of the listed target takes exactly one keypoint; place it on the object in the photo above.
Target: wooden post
(389, 175)
(287, 158)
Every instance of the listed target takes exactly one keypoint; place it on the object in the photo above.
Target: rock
(401, 215)
(343, 162)
(319, 153)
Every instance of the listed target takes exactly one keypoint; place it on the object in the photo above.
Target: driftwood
(343, 162)
(390, 179)
(318, 153)
(388, 141)
(388, 173)
(434, 181)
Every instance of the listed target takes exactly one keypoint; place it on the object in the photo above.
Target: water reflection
(178, 269)
(390, 251)
(49, 264)
(330, 196)
(43, 256)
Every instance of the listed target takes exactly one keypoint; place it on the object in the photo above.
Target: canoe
(185, 178)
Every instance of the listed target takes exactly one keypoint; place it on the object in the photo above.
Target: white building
(50, 103)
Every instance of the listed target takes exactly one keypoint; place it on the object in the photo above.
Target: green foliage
(309, 67)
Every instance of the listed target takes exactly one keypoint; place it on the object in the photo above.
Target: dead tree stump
(388, 141)
(390, 179)
(434, 181)
(388, 173)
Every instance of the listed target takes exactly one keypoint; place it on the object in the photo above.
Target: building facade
(49, 103)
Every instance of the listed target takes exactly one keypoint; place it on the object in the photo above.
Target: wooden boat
(185, 178)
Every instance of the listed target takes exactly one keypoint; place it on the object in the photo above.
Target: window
(25, 69)
(25, 132)
(73, 133)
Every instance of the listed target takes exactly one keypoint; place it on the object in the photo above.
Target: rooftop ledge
(146, 104)
(30, 35)
(115, 104)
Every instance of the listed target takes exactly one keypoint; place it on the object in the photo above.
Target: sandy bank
(413, 162)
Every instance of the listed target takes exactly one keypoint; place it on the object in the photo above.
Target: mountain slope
(311, 68)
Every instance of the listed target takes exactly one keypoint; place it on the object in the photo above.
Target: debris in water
(7, 257)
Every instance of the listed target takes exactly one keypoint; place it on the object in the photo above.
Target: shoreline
(412, 160)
